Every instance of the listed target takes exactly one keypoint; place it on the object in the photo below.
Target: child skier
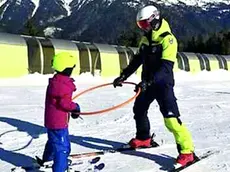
(58, 107)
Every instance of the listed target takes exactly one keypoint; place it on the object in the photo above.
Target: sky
(203, 100)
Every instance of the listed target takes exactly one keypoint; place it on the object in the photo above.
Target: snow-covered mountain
(199, 3)
(104, 20)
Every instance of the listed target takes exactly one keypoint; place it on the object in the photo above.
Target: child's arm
(67, 104)
(75, 113)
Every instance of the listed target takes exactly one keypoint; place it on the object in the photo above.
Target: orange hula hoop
(111, 108)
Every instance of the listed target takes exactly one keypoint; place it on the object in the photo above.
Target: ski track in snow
(203, 102)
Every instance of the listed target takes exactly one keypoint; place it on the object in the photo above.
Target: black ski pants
(164, 94)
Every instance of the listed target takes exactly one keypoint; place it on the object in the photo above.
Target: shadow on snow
(35, 130)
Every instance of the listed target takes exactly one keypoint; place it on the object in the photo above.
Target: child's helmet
(63, 60)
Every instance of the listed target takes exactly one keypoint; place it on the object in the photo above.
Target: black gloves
(143, 85)
(75, 113)
(118, 81)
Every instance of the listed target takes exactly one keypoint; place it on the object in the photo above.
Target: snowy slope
(203, 101)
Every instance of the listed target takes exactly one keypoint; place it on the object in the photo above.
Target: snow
(203, 99)
(50, 31)
(54, 19)
(2, 2)
(224, 11)
(3, 11)
(68, 1)
(66, 5)
(36, 3)
(18, 2)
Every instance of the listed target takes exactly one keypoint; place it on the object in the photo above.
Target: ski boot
(185, 159)
(136, 143)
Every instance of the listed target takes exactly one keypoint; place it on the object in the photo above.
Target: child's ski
(95, 168)
(48, 165)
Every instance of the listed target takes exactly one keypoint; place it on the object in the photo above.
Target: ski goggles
(143, 24)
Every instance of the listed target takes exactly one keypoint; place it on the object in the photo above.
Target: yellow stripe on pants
(181, 134)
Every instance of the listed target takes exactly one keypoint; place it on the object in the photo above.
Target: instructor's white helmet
(148, 18)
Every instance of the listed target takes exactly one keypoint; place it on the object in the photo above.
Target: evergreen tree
(216, 43)
(31, 29)
(225, 44)
(129, 37)
(200, 44)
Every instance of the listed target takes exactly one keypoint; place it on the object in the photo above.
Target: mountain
(105, 20)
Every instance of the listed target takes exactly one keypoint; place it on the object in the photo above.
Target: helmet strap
(66, 72)
(156, 24)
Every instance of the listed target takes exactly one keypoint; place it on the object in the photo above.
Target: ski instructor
(157, 55)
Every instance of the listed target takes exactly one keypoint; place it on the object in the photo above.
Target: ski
(197, 159)
(48, 165)
(124, 148)
(73, 157)
(99, 167)
(95, 168)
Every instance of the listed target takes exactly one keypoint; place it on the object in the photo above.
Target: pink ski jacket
(59, 102)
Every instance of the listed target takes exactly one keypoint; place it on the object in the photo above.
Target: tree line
(212, 43)
(215, 43)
